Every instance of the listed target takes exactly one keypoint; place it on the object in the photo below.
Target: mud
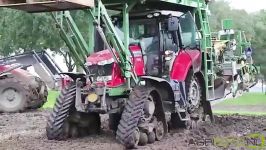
(27, 131)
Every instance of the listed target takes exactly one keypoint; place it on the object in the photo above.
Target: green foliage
(20, 30)
(32, 31)
(51, 99)
(248, 99)
(248, 104)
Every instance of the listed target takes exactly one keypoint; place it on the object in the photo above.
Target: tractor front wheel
(58, 127)
(66, 122)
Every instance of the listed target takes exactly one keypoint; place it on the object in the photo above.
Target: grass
(245, 113)
(51, 99)
(243, 103)
(246, 99)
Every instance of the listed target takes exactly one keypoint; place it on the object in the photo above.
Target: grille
(99, 70)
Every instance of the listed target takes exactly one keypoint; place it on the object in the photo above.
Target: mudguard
(184, 61)
(74, 76)
(7, 74)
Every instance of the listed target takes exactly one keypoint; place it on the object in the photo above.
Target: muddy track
(27, 131)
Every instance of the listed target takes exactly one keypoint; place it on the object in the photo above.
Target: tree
(25, 31)
(22, 31)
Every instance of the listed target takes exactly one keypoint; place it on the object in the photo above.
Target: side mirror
(173, 23)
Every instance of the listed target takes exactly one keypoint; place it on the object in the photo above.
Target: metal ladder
(207, 47)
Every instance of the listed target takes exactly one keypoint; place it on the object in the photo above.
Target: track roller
(138, 119)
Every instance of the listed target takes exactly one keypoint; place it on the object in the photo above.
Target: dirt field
(27, 131)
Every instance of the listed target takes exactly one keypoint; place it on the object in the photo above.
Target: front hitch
(85, 106)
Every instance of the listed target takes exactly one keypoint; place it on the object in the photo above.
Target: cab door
(189, 55)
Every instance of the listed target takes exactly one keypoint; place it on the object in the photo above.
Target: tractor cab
(161, 35)
(155, 39)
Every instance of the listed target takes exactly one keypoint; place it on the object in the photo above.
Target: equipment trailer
(159, 59)
(20, 90)
(236, 49)
(43, 64)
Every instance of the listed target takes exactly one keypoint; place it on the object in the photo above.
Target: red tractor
(150, 66)
(20, 90)
(159, 83)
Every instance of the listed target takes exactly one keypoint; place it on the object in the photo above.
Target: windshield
(188, 30)
(145, 32)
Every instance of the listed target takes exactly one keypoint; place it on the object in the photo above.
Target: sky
(248, 5)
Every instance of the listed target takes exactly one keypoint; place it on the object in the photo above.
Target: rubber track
(66, 99)
(131, 115)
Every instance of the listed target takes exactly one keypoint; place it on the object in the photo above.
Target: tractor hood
(100, 58)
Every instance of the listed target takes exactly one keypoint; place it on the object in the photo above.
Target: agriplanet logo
(252, 141)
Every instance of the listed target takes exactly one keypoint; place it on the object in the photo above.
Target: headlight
(92, 97)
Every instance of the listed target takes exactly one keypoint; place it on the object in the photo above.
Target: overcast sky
(248, 5)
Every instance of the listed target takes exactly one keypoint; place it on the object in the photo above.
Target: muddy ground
(27, 131)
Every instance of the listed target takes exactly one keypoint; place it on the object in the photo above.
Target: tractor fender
(7, 74)
(162, 85)
(75, 76)
(184, 61)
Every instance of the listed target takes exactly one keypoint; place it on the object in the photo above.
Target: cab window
(188, 30)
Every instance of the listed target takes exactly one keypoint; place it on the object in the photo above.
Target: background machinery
(233, 49)
(20, 90)
(149, 64)
(44, 66)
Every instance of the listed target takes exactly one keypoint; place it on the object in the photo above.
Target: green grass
(245, 113)
(51, 99)
(247, 99)
(243, 102)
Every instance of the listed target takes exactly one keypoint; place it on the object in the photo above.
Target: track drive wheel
(139, 118)
(57, 127)
(65, 122)
(13, 95)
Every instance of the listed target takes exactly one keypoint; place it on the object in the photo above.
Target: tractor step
(34, 6)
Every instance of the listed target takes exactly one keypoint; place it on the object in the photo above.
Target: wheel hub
(10, 95)
(11, 98)
(194, 95)
(159, 131)
(149, 108)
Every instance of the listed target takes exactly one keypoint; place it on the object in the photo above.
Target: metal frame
(98, 15)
